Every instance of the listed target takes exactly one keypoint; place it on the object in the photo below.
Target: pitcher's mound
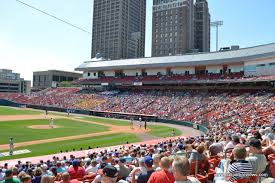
(43, 127)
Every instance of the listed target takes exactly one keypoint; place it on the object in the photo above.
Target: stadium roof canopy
(213, 58)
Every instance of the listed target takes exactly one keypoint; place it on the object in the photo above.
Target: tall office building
(13, 83)
(119, 28)
(202, 26)
(173, 27)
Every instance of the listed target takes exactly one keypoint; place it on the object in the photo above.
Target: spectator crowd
(222, 156)
(239, 147)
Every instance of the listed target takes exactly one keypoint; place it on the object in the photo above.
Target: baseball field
(42, 134)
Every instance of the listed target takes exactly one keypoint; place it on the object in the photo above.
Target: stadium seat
(253, 179)
(202, 167)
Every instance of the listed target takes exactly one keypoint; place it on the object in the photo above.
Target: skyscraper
(202, 26)
(119, 28)
(173, 27)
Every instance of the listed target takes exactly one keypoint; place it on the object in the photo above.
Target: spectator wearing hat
(44, 169)
(181, 170)
(109, 175)
(9, 177)
(123, 170)
(181, 149)
(163, 175)
(76, 171)
(215, 148)
(141, 168)
(143, 178)
(256, 156)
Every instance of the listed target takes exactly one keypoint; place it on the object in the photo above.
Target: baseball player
(11, 146)
(51, 122)
(46, 113)
(132, 123)
(173, 133)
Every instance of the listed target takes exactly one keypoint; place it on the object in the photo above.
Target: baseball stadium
(119, 111)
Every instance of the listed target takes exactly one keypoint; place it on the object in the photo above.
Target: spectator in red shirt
(76, 171)
(162, 176)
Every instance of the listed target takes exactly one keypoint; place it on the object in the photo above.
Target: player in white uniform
(140, 122)
(51, 122)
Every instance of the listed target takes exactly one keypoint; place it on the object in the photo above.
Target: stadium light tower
(217, 24)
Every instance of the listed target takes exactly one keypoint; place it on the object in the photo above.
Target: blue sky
(31, 41)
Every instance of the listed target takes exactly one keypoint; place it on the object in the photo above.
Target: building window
(89, 74)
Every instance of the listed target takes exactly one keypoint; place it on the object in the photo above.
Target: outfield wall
(148, 118)
(9, 103)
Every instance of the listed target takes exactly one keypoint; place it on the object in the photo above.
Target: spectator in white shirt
(92, 168)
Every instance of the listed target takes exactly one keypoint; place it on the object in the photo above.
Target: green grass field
(15, 111)
(111, 121)
(54, 147)
(21, 133)
(163, 131)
